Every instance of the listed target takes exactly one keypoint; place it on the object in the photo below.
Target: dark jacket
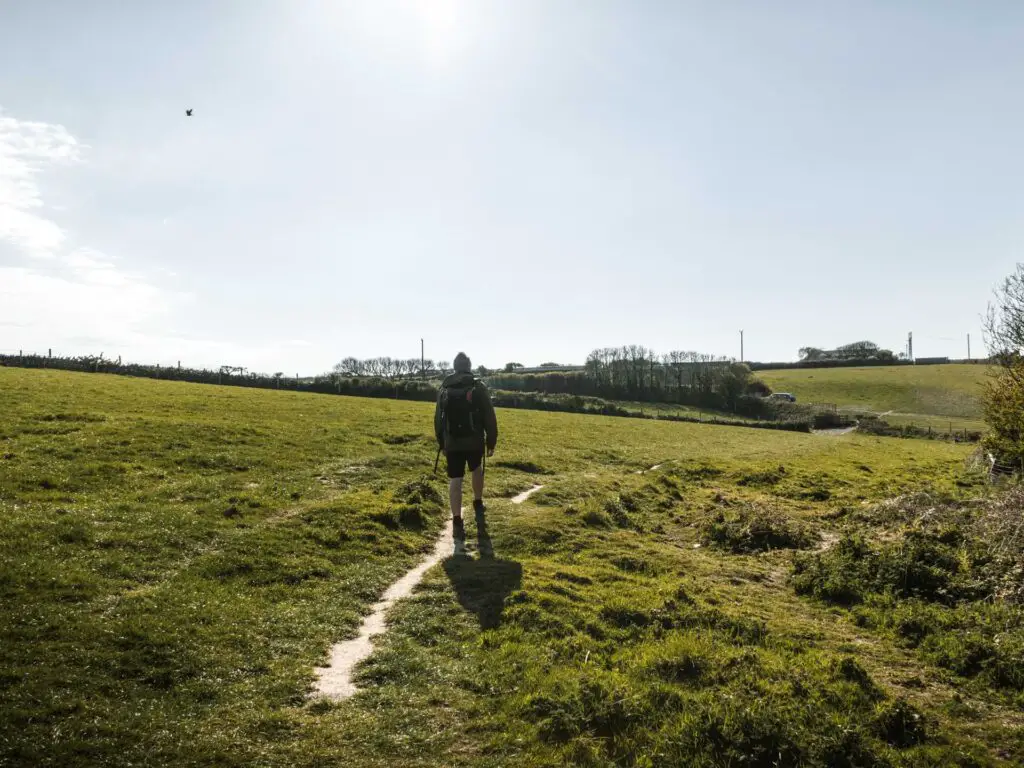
(488, 428)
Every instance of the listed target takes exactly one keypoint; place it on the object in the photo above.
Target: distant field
(175, 559)
(925, 395)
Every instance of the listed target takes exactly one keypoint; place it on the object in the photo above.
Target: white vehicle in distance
(782, 396)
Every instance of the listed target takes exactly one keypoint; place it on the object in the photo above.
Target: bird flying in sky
(188, 113)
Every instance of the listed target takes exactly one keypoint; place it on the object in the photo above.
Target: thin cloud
(61, 292)
(27, 150)
(93, 299)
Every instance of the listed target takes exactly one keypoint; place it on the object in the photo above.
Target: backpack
(460, 415)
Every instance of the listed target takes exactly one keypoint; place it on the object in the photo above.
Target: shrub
(758, 388)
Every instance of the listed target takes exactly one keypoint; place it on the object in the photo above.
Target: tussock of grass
(755, 529)
(528, 467)
(73, 417)
(760, 478)
(415, 504)
(696, 472)
(402, 439)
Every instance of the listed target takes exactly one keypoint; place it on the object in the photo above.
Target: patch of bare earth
(526, 494)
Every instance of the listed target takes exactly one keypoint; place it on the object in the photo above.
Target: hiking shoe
(478, 507)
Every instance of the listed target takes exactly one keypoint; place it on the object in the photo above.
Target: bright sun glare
(442, 30)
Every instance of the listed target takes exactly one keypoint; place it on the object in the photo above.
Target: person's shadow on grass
(483, 584)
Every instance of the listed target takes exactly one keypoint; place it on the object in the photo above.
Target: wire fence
(1002, 469)
(983, 462)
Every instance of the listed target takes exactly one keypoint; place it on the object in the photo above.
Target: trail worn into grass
(649, 469)
(526, 494)
(335, 680)
(838, 432)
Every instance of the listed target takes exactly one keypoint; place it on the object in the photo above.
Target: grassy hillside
(175, 560)
(926, 394)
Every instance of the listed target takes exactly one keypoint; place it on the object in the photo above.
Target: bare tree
(679, 369)
(1003, 398)
(1004, 324)
(349, 367)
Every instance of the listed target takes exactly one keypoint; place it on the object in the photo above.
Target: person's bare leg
(478, 484)
(455, 496)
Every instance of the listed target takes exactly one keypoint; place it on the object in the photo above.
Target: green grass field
(176, 559)
(926, 395)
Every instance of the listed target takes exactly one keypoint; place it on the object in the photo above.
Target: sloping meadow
(175, 560)
(943, 576)
(638, 633)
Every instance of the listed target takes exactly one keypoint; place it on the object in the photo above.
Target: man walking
(465, 426)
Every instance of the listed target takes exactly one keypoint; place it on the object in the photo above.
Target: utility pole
(968, 347)
(741, 346)
(423, 365)
(910, 346)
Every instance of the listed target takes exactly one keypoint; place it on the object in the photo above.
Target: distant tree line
(386, 367)
(638, 373)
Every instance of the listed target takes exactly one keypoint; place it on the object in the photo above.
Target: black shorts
(457, 461)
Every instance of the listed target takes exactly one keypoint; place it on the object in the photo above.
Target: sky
(525, 180)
